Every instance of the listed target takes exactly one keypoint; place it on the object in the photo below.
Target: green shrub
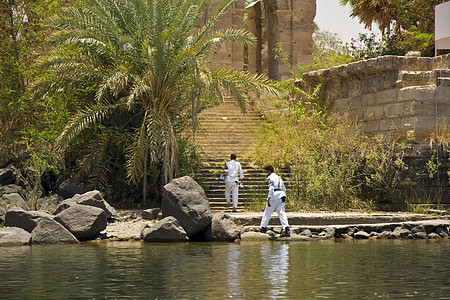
(333, 164)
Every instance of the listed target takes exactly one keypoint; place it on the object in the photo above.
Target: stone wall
(407, 98)
(398, 96)
(290, 22)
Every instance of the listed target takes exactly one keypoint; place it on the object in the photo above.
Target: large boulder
(14, 236)
(83, 221)
(165, 230)
(223, 228)
(51, 232)
(185, 199)
(70, 187)
(13, 200)
(92, 198)
(7, 175)
(12, 188)
(28, 220)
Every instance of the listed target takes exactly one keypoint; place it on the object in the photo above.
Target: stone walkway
(129, 224)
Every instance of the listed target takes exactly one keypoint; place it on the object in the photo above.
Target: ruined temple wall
(402, 97)
(289, 22)
(230, 56)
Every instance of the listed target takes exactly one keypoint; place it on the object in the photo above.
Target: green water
(388, 269)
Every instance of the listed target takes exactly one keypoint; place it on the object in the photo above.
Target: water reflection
(275, 268)
(234, 271)
(267, 270)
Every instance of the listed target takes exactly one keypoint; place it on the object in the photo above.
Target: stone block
(355, 103)
(373, 113)
(417, 93)
(425, 123)
(341, 105)
(369, 99)
(393, 110)
(443, 94)
(387, 96)
(390, 124)
(371, 127)
(409, 123)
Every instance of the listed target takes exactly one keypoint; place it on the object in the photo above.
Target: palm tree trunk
(145, 179)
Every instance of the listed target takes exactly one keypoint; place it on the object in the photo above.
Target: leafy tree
(406, 25)
(21, 40)
(146, 60)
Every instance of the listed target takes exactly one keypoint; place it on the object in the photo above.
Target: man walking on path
(275, 201)
(234, 175)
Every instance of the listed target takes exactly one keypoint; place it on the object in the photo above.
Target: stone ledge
(379, 65)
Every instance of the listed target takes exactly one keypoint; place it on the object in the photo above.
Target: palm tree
(147, 62)
(382, 12)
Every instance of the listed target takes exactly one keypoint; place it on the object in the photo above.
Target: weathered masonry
(289, 22)
(407, 98)
(399, 96)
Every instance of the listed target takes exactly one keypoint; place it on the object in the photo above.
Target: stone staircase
(226, 130)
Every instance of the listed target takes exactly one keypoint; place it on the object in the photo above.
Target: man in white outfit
(275, 201)
(234, 175)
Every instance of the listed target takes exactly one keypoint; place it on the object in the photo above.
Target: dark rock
(306, 233)
(7, 175)
(165, 230)
(327, 233)
(28, 220)
(95, 198)
(361, 235)
(51, 232)
(385, 234)
(350, 231)
(223, 228)
(401, 232)
(442, 231)
(14, 236)
(254, 236)
(13, 188)
(151, 213)
(71, 187)
(83, 221)
(184, 199)
(434, 236)
(13, 200)
(91, 198)
(420, 235)
(417, 229)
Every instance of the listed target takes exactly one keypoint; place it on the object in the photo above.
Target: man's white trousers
(231, 187)
(278, 206)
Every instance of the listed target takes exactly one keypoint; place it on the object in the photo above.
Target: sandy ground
(127, 225)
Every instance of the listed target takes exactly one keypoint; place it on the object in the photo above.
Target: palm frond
(81, 121)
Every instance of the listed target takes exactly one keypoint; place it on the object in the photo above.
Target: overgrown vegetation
(406, 25)
(333, 165)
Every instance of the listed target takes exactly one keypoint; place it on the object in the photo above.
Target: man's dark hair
(269, 169)
(233, 156)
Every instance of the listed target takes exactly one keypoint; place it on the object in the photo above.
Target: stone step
(224, 130)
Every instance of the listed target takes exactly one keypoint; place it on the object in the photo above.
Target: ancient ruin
(399, 96)
(403, 97)
(290, 23)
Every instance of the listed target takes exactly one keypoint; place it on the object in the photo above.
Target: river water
(370, 269)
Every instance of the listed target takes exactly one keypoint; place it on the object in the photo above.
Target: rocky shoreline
(185, 215)
(314, 226)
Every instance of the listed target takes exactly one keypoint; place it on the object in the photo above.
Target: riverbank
(129, 223)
